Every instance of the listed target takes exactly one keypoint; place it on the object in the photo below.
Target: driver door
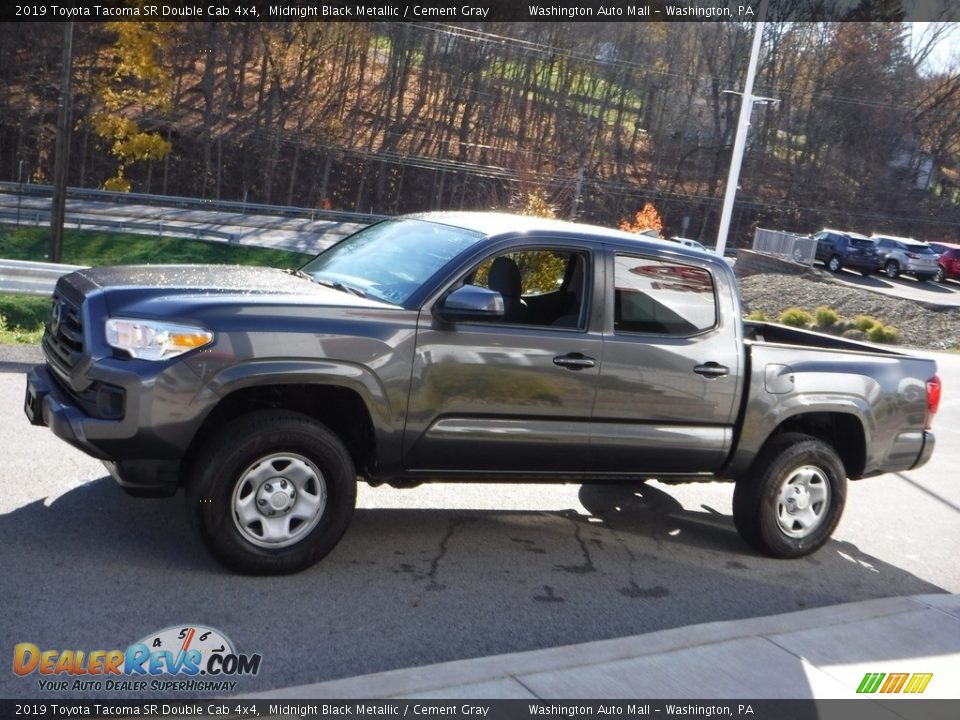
(516, 393)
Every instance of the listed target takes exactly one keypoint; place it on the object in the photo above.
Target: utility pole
(19, 190)
(61, 160)
(743, 124)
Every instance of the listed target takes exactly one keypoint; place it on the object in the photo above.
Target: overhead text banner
(917, 709)
(488, 11)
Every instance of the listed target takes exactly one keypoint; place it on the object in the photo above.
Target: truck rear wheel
(790, 502)
(272, 492)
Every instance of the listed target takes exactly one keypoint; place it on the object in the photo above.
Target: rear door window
(662, 297)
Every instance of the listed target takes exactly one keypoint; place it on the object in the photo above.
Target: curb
(501, 676)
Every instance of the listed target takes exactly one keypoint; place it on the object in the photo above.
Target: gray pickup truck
(464, 347)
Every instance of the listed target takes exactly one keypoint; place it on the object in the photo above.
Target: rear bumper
(929, 443)
(920, 268)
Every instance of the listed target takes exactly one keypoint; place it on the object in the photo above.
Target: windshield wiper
(300, 273)
(337, 285)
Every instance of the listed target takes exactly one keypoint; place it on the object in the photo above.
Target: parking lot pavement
(939, 294)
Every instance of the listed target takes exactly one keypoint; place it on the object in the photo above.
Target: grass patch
(24, 311)
(22, 318)
(90, 247)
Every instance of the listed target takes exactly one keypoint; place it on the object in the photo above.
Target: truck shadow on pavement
(406, 587)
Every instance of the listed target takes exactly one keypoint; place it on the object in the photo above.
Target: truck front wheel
(790, 502)
(272, 492)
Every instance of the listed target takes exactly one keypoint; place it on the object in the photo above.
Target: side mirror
(470, 302)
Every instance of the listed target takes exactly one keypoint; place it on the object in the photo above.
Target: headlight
(155, 340)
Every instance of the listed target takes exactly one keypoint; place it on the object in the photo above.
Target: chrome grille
(63, 339)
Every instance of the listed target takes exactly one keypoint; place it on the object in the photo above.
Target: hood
(157, 290)
(206, 278)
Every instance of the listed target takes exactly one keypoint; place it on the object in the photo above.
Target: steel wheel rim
(803, 501)
(278, 500)
(834, 264)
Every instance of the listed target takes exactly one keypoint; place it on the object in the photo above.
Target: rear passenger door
(671, 365)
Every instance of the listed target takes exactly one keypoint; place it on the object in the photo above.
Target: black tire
(892, 269)
(781, 477)
(941, 276)
(834, 264)
(259, 462)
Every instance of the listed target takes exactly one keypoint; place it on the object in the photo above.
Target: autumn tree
(135, 85)
(646, 218)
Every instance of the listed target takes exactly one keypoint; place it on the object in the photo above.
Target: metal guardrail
(32, 278)
(799, 248)
(36, 216)
(233, 206)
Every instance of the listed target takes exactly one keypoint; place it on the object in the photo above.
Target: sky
(947, 51)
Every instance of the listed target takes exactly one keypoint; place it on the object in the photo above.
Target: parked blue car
(838, 249)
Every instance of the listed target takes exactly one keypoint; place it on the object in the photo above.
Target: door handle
(574, 361)
(711, 370)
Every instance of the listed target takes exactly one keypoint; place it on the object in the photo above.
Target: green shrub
(882, 334)
(796, 317)
(25, 311)
(17, 334)
(758, 316)
(825, 317)
(864, 322)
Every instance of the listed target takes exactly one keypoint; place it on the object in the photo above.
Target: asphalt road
(440, 572)
(271, 231)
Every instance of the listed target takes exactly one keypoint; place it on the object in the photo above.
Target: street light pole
(743, 124)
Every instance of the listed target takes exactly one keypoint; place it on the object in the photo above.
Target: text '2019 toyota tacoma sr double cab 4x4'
(464, 347)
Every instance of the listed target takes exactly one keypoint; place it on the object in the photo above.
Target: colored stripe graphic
(870, 682)
(894, 682)
(918, 682)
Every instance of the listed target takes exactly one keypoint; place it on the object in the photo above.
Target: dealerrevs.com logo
(180, 658)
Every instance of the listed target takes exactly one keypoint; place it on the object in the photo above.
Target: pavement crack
(548, 596)
(587, 566)
(442, 546)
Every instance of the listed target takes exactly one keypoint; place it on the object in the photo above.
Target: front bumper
(141, 450)
(45, 403)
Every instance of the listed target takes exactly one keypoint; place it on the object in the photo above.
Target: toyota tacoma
(464, 347)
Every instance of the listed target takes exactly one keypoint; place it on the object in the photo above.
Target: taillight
(933, 400)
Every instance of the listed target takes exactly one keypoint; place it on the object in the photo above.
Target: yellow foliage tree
(135, 85)
(646, 219)
(538, 204)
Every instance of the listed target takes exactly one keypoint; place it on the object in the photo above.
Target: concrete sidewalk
(822, 653)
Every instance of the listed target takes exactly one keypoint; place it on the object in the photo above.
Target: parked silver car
(906, 255)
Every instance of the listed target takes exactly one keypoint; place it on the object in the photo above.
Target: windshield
(390, 260)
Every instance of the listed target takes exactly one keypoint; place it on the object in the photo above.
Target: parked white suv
(906, 255)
